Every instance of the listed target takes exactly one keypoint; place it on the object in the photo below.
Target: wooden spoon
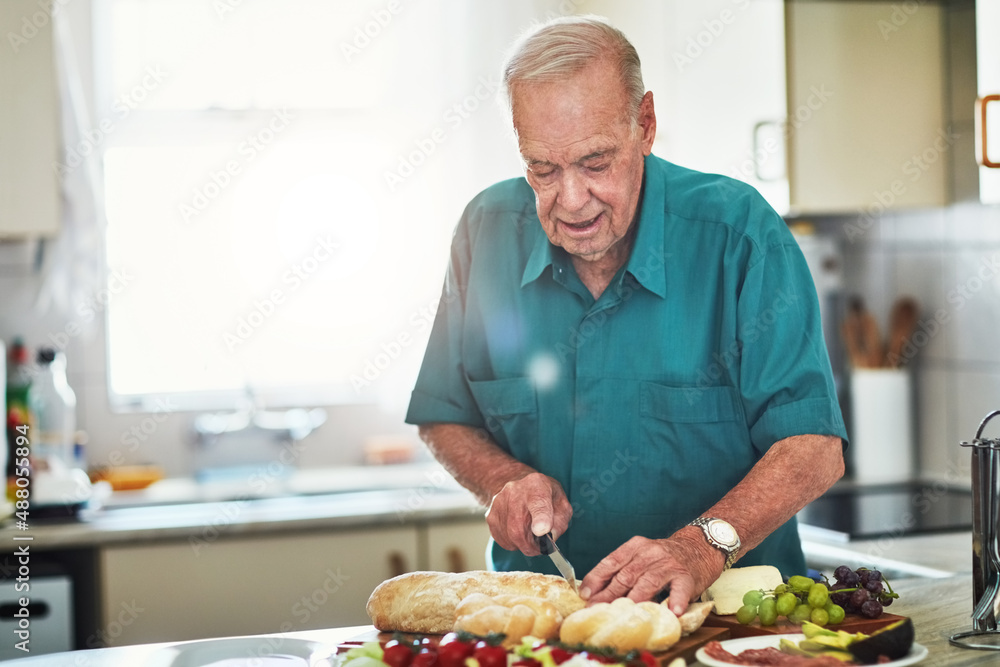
(860, 331)
(902, 323)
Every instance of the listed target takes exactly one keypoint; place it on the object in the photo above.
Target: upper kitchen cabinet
(866, 106)
(988, 103)
(825, 107)
(29, 122)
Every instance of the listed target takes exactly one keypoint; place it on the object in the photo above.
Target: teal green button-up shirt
(653, 401)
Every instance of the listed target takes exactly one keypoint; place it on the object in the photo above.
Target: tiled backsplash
(949, 261)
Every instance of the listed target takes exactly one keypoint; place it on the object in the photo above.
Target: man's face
(583, 159)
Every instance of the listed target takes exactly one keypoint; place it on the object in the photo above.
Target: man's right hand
(525, 508)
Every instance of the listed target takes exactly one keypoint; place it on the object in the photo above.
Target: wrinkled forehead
(588, 103)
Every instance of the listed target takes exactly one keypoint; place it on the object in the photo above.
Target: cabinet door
(988, 48)
(29, 123)
(717, 72)
(457, 546)
(242, 586)
(866, 103)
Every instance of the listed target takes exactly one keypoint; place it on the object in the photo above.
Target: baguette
(516, 616)
(425, 602)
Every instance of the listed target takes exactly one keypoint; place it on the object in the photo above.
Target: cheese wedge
(728, 590)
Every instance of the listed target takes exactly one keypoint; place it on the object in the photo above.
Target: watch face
(723, 532)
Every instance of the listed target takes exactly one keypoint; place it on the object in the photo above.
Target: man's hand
(641, 568)
(532, 505)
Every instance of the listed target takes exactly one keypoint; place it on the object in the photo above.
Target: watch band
(728, 542)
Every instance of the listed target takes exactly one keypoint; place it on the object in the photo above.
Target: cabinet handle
(982, 156)
(456, 560)
(760, 152)
(397, 563)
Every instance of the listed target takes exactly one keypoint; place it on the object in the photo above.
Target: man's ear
(647, 122)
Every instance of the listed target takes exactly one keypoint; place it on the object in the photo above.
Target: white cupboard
(246, 585)
(457, 546)
(29, 122)
(825, 107)
(271, 582)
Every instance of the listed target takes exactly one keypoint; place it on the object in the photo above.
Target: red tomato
(454, 653)
(397, 655)
(490, 656)
(560, 655)
(648, 659)
(527, 662)
(426, 658)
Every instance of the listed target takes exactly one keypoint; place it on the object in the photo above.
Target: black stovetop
(864, 512)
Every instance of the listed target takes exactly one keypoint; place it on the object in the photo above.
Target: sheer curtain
(281, 183)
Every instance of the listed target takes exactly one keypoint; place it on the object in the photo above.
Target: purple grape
(874, 587)
(863, 576)
(871, 609)
(850, 579)
(842, 599)
(860, 597)
(886, 600)
(874, 575)
(842, 572)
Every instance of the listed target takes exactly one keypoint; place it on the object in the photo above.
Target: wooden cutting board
(685, 648)
(851, 623)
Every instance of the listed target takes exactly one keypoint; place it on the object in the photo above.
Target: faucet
(985, 541)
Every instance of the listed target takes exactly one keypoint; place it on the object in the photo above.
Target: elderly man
(627, 353)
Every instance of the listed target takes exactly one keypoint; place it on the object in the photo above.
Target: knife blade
(548, 548)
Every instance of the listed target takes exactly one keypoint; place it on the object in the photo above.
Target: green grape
(799, 614)
(779, 589)
(768, 612)
(819, 616)
(746, 614)
(835, 612)
(800, 584)
(819, 595)
(786, 603)
(753, 598)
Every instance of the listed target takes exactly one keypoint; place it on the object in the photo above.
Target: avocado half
(893, 641)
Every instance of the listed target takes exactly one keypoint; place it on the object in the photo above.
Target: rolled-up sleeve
(786, 381)
(442, 394)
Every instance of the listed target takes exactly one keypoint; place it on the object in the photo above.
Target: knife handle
(545, 543)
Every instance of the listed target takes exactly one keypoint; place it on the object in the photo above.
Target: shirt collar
(646, 260)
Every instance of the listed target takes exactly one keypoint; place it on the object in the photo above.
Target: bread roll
(425, 602)
(623, 625)
(694, 616)
(516, 616)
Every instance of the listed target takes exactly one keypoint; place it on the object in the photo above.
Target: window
(281, 181)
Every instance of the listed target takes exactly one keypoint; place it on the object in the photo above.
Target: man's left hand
(642, 568)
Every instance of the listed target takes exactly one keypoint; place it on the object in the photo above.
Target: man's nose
(573, 191)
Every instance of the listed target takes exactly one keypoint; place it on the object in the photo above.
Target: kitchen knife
(548, 548)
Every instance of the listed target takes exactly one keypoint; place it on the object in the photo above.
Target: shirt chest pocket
(510, 412)
(698, 438)
(689, 405)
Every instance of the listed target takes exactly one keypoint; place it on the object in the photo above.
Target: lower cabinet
(176, 591)
(457, 546)
(240, 586)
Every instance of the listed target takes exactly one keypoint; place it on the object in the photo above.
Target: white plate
(243, 651)
(737, 646)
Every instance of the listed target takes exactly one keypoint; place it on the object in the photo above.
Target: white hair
(561, 47)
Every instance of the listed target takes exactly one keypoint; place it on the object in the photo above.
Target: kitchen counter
(939, 608)
(309, 500)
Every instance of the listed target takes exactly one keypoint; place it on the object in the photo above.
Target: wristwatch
(721, 535)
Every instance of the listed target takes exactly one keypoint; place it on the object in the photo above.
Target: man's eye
(543, 174)
(597, 169)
